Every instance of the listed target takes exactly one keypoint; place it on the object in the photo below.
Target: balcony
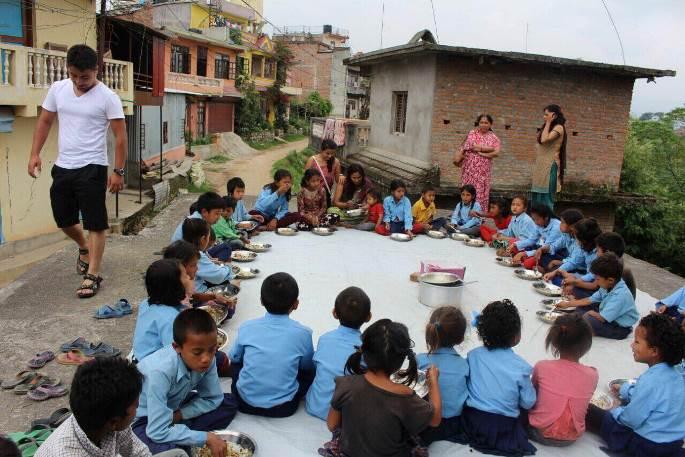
(193, 84)
(356, 89)
(27, 73)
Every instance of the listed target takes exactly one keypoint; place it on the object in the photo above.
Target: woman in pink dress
(475, 157)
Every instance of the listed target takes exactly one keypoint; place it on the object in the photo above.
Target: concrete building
(424, 98)
(34, 39)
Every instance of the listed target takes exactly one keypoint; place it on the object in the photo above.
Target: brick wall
(596, 106)
(311, 69)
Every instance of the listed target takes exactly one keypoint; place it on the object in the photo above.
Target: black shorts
(79, 190)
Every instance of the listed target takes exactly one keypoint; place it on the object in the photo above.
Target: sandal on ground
(40, 359)
(79, 343)
(45, 392)
(119, 309)
(73, 357)
(93, 287)
(104, 350)
(21, 378)
(81, 266)
(55, 420)
(38, 381)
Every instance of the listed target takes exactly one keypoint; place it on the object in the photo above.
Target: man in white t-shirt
(86, 108)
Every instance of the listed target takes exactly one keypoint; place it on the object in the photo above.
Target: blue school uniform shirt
(581, 260)
(546, 235)
(154, 328)
(332, 352)
(617, 305)
(240, 213)
(656, 405)
(272, 349)
(499, 382)
(564, 242)
(461, 218)
(676, 299)
(454, 371)
(178, 233)
(394, 211)
(166, 386)
(523, 228)
(209, 273)
(271, 204)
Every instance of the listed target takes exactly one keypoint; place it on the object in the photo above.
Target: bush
(250, 118)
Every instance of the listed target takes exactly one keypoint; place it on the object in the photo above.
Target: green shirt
(225, 230)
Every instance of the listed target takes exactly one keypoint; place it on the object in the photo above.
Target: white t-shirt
(83, 122)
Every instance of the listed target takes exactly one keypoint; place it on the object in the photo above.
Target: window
(180, 59)
(200, 120)
(201, 61)
(165, 132)
(243, 66)
(270, 69)
(223, 67)
(257, 66)
(399, 111)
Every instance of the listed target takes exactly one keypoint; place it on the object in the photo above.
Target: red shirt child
(375, 212)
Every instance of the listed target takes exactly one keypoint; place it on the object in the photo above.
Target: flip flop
(104, 350)
(45, 392)
(121, 308)
(80, 344)
(55, 420)
(73, 357)
(21, 378)
(41, 359)
(40, 380)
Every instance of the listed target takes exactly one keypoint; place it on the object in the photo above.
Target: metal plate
(620, 382)
(476, 243)
(247, 225)
(460, 237)
(322, 231)
(400, 237)
(437, 234)
(355, 212)
(505, 261)
(420, 386)
(286, 231)
(528, 275)
(228, 290)
(547, 289)
(258, 247)
(243, 256)
(548, 316)
(247, 273)
(236, 440)
(603, 401)
(221, 339)
(218, 312)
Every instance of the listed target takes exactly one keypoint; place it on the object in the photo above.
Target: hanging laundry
(339, 136)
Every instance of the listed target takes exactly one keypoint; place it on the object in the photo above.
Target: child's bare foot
(414, 277)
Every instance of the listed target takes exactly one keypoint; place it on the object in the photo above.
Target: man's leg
(75, 232)
(96, 247)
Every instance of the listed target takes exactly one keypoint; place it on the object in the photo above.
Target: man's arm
(45, 121)
(115, 182)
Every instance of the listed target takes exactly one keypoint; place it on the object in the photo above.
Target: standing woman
(350, 193)
(326, 163)
(550, 157)
(475, 156)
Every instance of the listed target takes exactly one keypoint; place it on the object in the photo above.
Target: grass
(218, 159)
(266, 145)
(294, 163)
(205, 187)
(290, 137)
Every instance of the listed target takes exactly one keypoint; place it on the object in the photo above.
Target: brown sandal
(93, 286)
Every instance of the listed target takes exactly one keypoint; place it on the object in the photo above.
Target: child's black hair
(569, 334)
(521, 197)
(329, 144)
(163, 283)
(375, 194)
(103, 390)
(194, 229)
(353, 307)
(397, 184)
(607, 266)
(385, 346)
(504, 206)
(209, 201)
(587, 230)
(499, 324)
(182, 251)
(280, 174)
(82, 57)
(192, 320)
(8, 448)
(233, 184)
(445, 328)
(230, 202)
(471, 190)
(279, 293)
(611, 242)
(664, 334)
(571, 216)
(309, 173)
(427, 187)
(192, 208)
(544, 211)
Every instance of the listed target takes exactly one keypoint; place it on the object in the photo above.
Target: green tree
(250, 117)
(284, 58)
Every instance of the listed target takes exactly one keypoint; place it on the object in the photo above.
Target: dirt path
(255, 170)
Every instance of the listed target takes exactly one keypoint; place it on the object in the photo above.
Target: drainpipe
(161, 144)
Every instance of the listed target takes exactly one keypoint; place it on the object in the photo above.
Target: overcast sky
(652, 31)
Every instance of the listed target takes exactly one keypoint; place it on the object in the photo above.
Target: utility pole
(101, 39)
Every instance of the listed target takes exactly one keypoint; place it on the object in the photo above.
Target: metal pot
(440, 289)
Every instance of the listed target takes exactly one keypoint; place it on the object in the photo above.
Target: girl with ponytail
(372, 415)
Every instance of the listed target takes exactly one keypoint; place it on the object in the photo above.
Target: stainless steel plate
(437, 234)
(242, 444)
(247, 225)
(286, 231)
(221, 339)
(547, 289)
(420, 386)
(476, 243)
(322, 231)
(243, 256)
(505, 261)
(247, 273)
(258, 247)
(529, 275)
(548, 316)
(400, 237)
(218, 312)
(228, 290)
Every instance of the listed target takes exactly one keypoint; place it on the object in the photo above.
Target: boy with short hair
(352, 309)
(209, 206)
(610, 311)
(225, 227)
(272, 356)
(182, 398)
(424, 209)
(103, 399)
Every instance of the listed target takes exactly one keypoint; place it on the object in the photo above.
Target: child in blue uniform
(652, 423)
(673, 306)
(352, 309)
(465, 215)
(197, 233)
(272, 203)
(499, 385)
(551, 255)
(445, 330)
(548, 233)
(521, 229)
(271, 357)
(397, 216)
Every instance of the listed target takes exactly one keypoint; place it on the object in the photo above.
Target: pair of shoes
(119, 309)
(88, 349)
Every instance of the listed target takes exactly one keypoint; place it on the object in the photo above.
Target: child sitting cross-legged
(500, 213)
(370, 414)
(652, 422)
(311, 202)
(548, 232)
(564, 386)
(198, 233)
(551, 255)
(235, 188)
(209, 207)
(673, 306)
(352, 309)
(272, 203)
(611, 310)
(499, 385)
(182, 400)
(520, 229)
(445, 330)
(271, 357)
(103, 400)
(374, 215)
(397, 217)
(424, 210)
(465, 216)
(225, 228)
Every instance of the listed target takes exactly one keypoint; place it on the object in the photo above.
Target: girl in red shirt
(500, 214)
(375, 212)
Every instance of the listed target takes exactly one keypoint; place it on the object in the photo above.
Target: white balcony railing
(27, 73)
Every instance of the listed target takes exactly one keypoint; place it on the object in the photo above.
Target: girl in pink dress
(475, 157)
